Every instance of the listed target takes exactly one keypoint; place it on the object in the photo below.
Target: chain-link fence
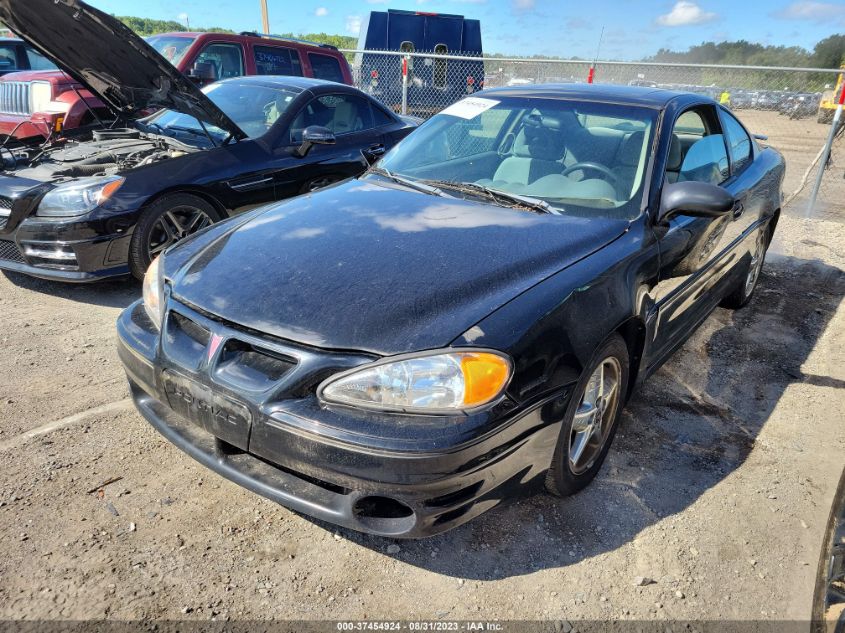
(793, 107)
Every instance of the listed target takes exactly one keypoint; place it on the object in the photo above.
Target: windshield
(254, 108)
(579, 157)
(171, 47)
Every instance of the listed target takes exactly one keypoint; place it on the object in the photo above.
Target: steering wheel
(595, 167)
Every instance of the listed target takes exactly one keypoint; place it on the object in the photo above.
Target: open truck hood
(108, 58)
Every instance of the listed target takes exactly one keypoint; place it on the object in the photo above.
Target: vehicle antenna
(593, 65)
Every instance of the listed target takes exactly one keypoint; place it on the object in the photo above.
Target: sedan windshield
(252, 107)
(565, 156)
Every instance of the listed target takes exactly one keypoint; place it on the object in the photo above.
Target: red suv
(34, 103)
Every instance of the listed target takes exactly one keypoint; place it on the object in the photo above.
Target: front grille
(3, 220)
(9, 252)
(14, 97)
(5, 203)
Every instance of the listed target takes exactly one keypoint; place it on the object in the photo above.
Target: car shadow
(111, 293)
(690, 425)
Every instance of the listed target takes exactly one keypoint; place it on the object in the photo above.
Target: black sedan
(87, 208)
(399, 353)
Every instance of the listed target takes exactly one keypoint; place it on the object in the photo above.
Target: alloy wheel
(756, 264)
(174, 225)
(594, 416)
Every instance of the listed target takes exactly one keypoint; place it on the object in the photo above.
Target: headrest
(675, 158)
(632, 148)
(541, 138)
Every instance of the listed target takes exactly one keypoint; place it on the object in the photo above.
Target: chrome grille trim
(14, 97)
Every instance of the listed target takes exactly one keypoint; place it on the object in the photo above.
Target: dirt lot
(717, 487)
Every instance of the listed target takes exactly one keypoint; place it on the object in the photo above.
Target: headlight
(78, 197)
(153, 291)
(40, 95)
(437, 382)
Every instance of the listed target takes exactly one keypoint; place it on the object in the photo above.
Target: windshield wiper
(408, 182)
(498, 196)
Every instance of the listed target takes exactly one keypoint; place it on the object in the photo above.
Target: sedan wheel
(165, 222)
(594, 416)
(756, 264)
(591, 418)
(174, 225)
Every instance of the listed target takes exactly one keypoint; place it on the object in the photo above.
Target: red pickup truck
(35, 103)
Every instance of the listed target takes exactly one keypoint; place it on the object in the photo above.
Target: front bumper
(356, 480)
(76, 250)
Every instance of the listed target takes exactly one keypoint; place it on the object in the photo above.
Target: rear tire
(581, 447)
(165, 222)
(741, 295)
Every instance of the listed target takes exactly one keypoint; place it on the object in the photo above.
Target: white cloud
(353, 24)
(182, 17)
(814, 11)
(523, 5)
(685, 13)
(321, 12)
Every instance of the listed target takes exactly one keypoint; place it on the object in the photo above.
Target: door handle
(375, 150)
(738, 208)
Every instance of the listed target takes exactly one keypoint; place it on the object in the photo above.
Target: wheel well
(214, 202)
(633, 333)
(771, 228)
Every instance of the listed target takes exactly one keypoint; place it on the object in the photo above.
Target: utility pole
(265, 20)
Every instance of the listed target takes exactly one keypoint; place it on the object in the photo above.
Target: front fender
(553, 329)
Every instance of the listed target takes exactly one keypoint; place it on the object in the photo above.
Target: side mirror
(698, 199)
(314, 135)
(202, 72)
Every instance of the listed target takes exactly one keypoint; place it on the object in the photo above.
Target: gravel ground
(712, 504)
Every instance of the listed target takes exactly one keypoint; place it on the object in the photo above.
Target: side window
(738, 141)
(224, 60)
(342, 114)
(325, 67)
(277, 60)
(37, 61)
(380, 117)
(8, 58)
(439, 71)
(696, 151)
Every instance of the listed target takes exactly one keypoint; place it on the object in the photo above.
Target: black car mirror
(314, 135)
(698, 199)
(203, 72)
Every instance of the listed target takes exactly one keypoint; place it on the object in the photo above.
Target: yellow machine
(830, 99)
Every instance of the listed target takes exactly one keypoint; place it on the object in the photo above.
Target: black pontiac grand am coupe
(397, 353)
(87, 208)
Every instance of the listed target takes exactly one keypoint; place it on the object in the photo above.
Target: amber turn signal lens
(485, 376)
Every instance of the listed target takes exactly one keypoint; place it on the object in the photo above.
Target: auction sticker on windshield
(470, 108)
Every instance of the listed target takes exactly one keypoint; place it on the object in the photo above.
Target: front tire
(165, 222)
(591, 419)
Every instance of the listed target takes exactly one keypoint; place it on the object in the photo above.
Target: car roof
(289, 81)
(635, 95)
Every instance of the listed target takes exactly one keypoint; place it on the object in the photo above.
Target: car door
(695, 252)
(357, 143)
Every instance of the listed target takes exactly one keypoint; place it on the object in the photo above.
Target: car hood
(370, 266)
(108, 58)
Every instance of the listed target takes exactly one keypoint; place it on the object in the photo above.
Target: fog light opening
(381, 508)
(384, 515)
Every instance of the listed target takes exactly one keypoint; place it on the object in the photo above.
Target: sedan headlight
(78, 197)
(436, 382)
(153, 291)
(40, 95)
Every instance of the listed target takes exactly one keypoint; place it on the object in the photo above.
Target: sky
(632, 28)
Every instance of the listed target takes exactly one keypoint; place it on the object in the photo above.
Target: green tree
(830, 52)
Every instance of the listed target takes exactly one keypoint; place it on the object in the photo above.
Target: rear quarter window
(325, 67)
(277, 60)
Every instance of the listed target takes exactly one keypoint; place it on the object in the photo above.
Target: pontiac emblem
(213, 344)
